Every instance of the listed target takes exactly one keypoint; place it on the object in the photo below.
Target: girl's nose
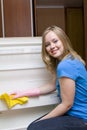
(52, 45)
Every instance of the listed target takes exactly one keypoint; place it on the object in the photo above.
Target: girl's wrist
(33, 92)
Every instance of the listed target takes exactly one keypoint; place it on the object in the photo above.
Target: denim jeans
(59, 123)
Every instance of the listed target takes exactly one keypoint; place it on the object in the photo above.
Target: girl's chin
(56, 55)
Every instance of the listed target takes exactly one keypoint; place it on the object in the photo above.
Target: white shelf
(50, 99)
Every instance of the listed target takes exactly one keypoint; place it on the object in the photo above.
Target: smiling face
(54, 46)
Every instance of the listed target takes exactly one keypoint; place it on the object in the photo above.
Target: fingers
(13, 95)
(16, 96)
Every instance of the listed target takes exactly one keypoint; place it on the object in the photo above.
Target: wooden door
(47, 14)
(74, 29)
(17, 18)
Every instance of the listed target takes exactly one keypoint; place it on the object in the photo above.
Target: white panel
(12, 80)
(28, 74)
(20, 41)
(20, 49)
(18, 119)
(21, 59)
(22, 68)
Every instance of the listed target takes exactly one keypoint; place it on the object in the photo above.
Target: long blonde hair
(51, 63)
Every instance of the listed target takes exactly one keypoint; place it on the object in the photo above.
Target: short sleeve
(67, 68)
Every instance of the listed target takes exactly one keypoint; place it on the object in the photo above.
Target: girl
(70, 79)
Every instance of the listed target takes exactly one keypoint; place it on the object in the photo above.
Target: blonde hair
(51, 63)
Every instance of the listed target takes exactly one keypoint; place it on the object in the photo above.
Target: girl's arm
(45, 89)
(67, 89)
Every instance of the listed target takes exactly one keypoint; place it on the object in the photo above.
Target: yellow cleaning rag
(12, 102)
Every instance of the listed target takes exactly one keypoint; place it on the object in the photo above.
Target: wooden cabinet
(17, 18)
(47, 14)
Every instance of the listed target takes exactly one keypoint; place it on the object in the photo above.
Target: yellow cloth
(12, 102)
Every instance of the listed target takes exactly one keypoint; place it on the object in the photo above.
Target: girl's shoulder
(68, 67)
(69, 62)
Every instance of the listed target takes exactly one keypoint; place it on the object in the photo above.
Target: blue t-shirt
(75, 69)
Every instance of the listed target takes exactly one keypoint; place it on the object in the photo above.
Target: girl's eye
(55, 41)
(47, 44)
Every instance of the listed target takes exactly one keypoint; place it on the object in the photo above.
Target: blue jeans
(59, 123)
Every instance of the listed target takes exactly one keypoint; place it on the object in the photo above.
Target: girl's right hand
(28, 93)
